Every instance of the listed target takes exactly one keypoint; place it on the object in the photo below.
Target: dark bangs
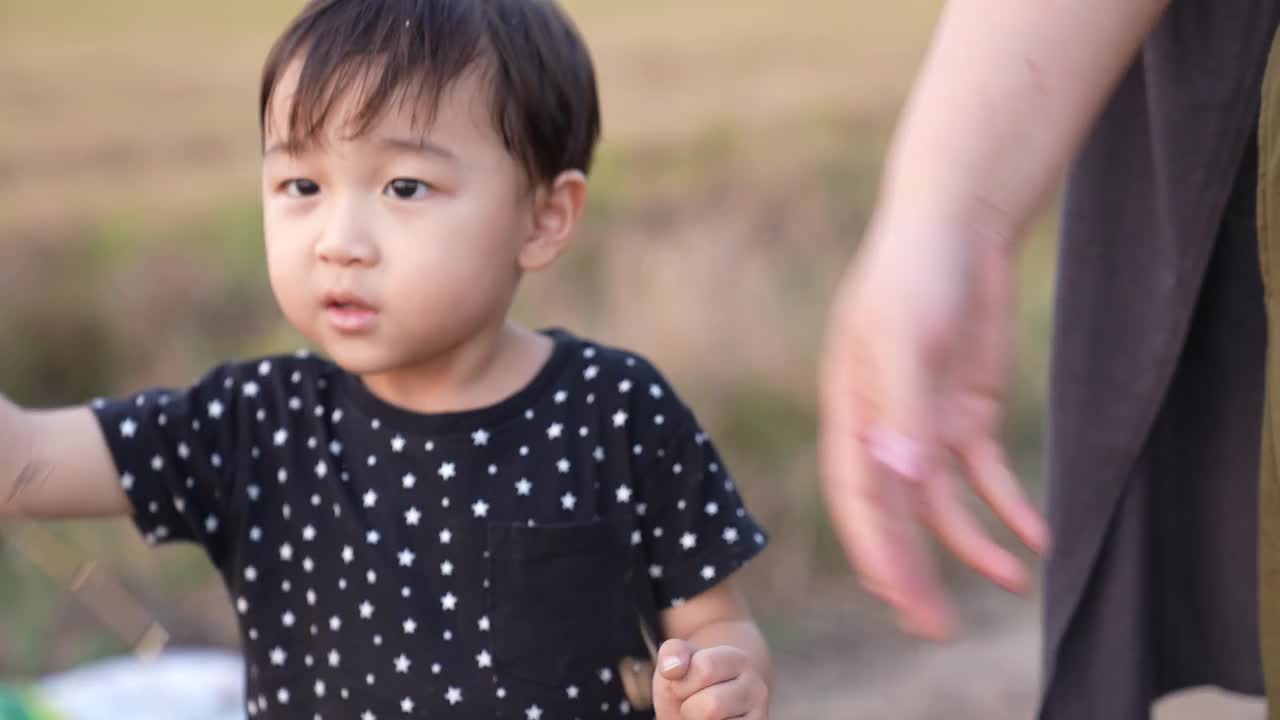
(544, 103)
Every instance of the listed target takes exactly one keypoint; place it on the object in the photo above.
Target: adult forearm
(1005, 97)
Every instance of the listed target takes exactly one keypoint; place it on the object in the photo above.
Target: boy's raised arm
(55, 464)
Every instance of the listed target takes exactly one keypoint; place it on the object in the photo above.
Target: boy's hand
(712, 684)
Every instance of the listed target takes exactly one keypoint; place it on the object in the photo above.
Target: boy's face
(388, 249)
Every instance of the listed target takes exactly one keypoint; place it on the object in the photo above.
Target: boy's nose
(346, 240)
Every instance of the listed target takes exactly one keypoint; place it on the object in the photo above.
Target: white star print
(524, 486)
(480, 437)
(623, 494)
(449, 601)
(368, 716)
(484, 660)
(283, 696)
(446, 568)
(215, 409)
(366, 610)
(334, 658)
(335, 623)
(286, 552)
(711, 508)
(533, 712)
(321, 469)
(406, 558)
(567, 501)
(591, 372)
(157, 463)
(572, 692)
(480, 509)
(447, 470)
(454, 695)
(410, 627)
(655, 571)
(730, 535)
(397, 444)
(278, 656)
(708, 572)
(554, 431)
(319, 688)
(348, 554)
(288, 619)
(619, 419)
(370, 499)
(563, 466)
(561, 396)
(402, 664)
(251, 389)
(445, 536)
(281, 437)
(309, 533)
(128, 428)
(372, 537)
(409, 481)
(412, 516)
(406, 705)
(483, 624)
(624, 386)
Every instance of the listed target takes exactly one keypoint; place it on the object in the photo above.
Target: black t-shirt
(488, 563)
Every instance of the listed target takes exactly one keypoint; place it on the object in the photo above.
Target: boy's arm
(55, 464)
(720, 616)
(716, 666)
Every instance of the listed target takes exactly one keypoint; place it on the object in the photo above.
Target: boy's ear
(556, 210)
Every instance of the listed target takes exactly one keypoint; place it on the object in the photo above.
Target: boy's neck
(481, 371)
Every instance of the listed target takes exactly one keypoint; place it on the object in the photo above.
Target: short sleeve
(174, 451)
(696, 528)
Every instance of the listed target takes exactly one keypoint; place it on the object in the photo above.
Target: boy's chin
(360, 361)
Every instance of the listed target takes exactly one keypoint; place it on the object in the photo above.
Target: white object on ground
(179, 685)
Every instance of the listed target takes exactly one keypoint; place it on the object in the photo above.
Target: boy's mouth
(348, 312)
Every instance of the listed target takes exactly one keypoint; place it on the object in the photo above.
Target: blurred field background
(742, 147)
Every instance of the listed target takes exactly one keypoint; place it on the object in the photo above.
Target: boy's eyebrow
(400, 144)
(420, 145)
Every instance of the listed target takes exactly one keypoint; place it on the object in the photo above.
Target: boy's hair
(539, 73)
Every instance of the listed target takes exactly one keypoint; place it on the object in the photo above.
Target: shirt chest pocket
(559, 601)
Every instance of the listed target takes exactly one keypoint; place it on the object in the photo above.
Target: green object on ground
(17, 704)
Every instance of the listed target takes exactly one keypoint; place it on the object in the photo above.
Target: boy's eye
(406, 189)
(300, 187)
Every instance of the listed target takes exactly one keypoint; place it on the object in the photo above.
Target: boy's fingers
(735, 698)
(676, 654)
(710, 667)
(674, 659)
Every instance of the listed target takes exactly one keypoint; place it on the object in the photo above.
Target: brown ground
(852, 665)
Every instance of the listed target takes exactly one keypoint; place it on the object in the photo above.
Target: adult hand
(912, 393)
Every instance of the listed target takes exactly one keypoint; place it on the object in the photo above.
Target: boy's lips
(348, 312)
